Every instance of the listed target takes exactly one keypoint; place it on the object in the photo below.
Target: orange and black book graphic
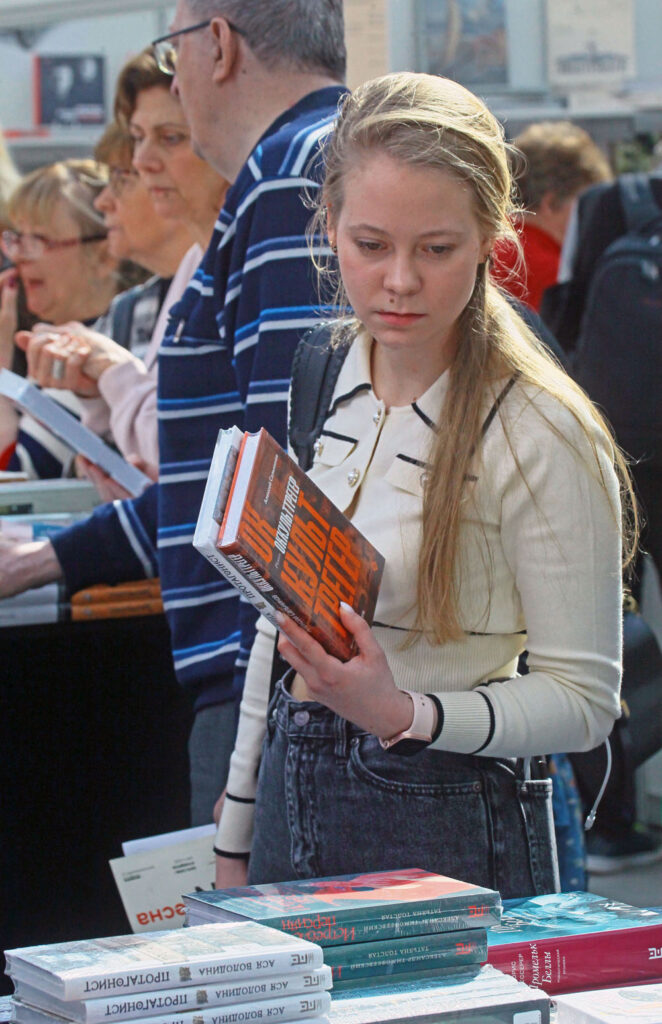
(295, 548)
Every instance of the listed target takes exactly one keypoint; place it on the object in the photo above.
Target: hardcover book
(488, 997)
(123, 964)
(31, 399)
(294, 1007)
(639, 1003)
(414, 952)
(354, 908)
(567, 941)
(176, 1000)
(284, 537)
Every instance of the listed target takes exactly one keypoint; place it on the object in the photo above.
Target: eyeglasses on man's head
(29, 246)
(166, 53)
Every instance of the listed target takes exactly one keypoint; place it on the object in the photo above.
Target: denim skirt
(330, 801)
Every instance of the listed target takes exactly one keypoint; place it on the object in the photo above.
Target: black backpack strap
(315, 370)
(638, 201)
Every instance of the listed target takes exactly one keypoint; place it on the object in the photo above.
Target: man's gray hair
(304, 34)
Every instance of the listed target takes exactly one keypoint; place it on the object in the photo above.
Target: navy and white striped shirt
(225, 359)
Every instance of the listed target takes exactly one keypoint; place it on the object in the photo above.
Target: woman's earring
(334, 249)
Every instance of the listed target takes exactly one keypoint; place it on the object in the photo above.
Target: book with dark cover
(122, 964)
(403, 955)
(145, 1005)
(564, 942)
(487, 997)
(354, 908)
(302, 555)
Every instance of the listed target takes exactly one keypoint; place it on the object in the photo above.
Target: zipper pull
(179, 330)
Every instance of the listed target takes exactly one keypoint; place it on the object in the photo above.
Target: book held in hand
(354, 908)
(31, 399)
(566, 941)
(283, 543)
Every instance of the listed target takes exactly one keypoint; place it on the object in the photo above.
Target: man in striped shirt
(260, 85)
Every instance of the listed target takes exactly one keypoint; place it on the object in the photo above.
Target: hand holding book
(361, 690)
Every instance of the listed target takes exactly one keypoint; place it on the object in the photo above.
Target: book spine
(380, 922)
(35, 614)
(368, 959)
(242, 965)
(143, 590)
(569, 963)
(259, 599)
(286, 1008)
(116, 609)
(150, 1004)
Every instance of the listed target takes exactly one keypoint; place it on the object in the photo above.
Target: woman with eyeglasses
(59, 250)
(183, 189)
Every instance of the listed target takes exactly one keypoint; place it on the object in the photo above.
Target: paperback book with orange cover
(298, 551)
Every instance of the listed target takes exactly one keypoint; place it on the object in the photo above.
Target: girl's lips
(398, 319)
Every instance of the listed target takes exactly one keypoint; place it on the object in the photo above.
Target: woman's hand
(70, 356)
(231, 872)
(8, 315)
(361, 690)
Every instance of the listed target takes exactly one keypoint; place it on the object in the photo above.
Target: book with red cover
(302, 555)
(568, 941)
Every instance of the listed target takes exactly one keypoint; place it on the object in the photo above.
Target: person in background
(464, 453)
(9, 182)
(155, 179)
(59, 250)
(259, 85)
(560, 160)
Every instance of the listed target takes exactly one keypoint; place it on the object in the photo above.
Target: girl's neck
(400, 376)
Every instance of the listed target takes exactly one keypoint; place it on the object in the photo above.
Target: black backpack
(315, 370)
(618, 357)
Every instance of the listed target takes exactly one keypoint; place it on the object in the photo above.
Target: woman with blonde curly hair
(493, 489)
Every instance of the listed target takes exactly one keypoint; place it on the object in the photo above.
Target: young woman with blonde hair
(493, 489)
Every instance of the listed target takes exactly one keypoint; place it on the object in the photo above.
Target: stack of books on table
(394, 937)
(50, 603)
(213, 974)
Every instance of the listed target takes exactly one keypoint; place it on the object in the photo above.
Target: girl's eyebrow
(434, 233)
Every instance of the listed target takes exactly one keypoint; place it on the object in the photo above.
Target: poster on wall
(69, 89)
(590, 42)
(465, 40)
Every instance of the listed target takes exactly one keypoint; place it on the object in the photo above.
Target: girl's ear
(331, 232)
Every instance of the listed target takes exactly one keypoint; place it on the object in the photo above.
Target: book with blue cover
(354, 908)
(392, 957)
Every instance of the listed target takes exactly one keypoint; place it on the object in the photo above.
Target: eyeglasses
(166, 54)
(18, 245)
(120, 178)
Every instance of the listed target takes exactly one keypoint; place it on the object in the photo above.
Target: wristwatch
(419, 733)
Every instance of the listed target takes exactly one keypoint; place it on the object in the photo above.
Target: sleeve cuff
(467, 722)
(235, 830)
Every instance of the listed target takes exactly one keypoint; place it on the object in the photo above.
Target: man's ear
(226, 49)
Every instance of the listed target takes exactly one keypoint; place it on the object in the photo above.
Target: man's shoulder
(286, 149)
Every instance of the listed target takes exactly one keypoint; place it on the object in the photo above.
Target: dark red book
(294, 548)
(568, 941)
